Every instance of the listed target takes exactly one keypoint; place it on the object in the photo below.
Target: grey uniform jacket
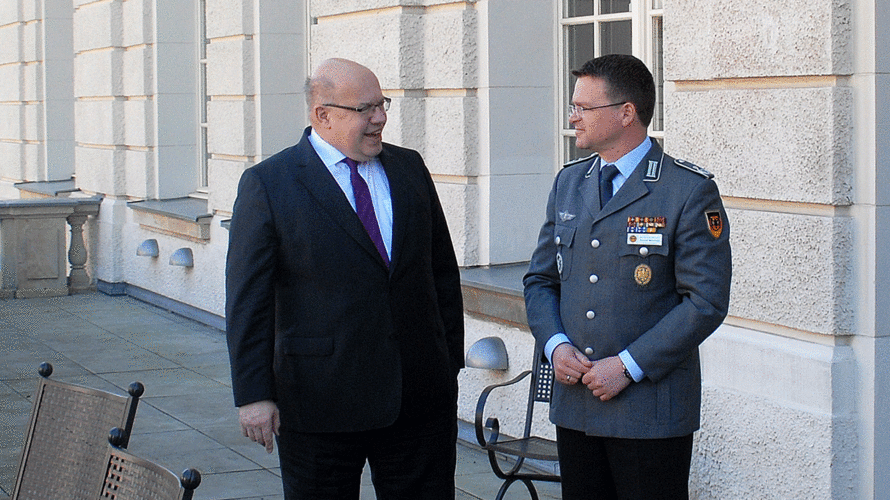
(649, 273)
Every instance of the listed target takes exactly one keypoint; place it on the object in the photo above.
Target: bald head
(333, 75)
(334, 91)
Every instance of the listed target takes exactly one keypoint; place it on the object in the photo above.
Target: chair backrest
(540, 387)
(66, 438)
(542, 371)
(128, 477)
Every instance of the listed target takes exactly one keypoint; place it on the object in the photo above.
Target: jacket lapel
(399, 189)
(318, 181)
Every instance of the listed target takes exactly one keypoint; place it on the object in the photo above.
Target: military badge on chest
(643, 232)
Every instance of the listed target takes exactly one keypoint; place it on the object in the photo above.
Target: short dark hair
(627, 79)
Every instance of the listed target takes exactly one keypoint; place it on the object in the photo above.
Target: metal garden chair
(518, 450)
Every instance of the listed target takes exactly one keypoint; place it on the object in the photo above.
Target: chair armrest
(480, 407)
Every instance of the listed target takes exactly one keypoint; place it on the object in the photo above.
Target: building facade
(159, 106)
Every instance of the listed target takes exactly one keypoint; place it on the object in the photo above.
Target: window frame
(646, 16)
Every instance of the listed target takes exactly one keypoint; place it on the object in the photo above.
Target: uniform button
(644, 251)
(595, 243)
(594, 278)
(557, 240)
(589, 351)
(591, 314)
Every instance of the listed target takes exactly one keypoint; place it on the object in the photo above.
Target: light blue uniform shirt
(626, 165)
(373, 174)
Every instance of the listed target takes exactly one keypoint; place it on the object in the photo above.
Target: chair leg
(504, 488)
(509, 482)
(532, 491)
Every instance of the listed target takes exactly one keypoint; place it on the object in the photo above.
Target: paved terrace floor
(185, 418)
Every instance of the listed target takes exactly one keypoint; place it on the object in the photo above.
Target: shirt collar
(627, 163)
(329, 154)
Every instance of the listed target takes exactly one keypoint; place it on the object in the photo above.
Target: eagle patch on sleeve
(715, 223)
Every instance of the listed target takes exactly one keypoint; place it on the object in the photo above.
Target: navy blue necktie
(607, 173)
(365, 208)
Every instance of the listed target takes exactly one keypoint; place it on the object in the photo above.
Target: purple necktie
(365, 208)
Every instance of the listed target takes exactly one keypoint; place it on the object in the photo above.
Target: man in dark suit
(631, 273)
(343, 304)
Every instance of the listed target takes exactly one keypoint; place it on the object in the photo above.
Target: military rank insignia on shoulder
(694, 168)
(579, 160)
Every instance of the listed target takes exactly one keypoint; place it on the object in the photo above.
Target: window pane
(578, 8)
(579, 45)
(615, 38)
(614, 6)
(657, 4)
(658, 73)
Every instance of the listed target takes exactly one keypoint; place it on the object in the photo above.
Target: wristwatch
(627, 374)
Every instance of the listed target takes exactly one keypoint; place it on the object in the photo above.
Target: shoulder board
(579, 160)
(694, 168)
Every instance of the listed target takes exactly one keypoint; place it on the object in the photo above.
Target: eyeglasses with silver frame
(577, 110)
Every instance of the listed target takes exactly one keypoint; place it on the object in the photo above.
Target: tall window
(591, 28)
(203, 97)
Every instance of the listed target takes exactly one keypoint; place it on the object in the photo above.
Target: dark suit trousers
(598, 468)
(408, 461)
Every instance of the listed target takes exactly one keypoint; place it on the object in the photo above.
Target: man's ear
(629, 113)
(322, 116)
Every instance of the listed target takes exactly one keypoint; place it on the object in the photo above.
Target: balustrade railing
(34, 260)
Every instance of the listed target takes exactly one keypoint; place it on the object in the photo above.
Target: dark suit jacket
(315, 320)
(589, 280)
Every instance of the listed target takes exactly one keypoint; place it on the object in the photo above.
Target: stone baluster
(78, 279)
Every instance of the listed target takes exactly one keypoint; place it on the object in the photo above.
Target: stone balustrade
(34, 246)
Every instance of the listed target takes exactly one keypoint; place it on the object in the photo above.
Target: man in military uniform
(631, 273)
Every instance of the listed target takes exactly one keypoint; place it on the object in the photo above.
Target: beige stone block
(776, 144)
(377, 42)
(231, 127)
(230, 17)
(450, 128)
(10, 43)
(223, 177)
(99, 73)
(792, 270)
(138, 122)
(138, 71)
(11, 86)
(31, 42)
(32, 122)
(98, 25)
(11, 167)
(139, 167)
(450, 49)
(230, 65)
(9, 13)
(32, 161)
(100, 170)
(136, 18)
(460, 202)
(793, 453)
(732, 39)
(32, 76)
(99, 122)
(11, 121)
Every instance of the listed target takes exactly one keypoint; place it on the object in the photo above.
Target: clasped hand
(605, 378)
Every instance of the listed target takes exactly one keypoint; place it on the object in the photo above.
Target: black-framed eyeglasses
(365, 109)
(577, 110)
